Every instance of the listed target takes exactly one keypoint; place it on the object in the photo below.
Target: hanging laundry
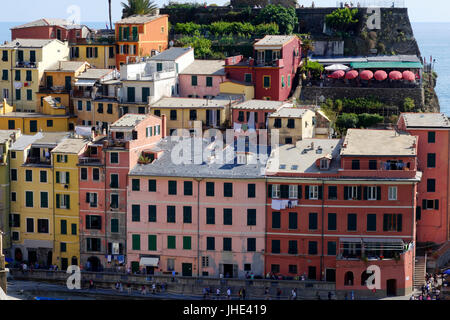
(237, 127)
(276, 204)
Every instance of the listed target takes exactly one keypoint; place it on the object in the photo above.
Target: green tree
(188, 28)
(286, 18)
(307, 46)
(141, 7)
(408, 105)
(312, 67)
(342, 19)
(202, 46)
(346, 121)
(368, 120)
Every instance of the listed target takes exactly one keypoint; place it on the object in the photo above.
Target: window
(266, 81)
(352, 193)
(371, 222)
(152, 185)
(355, 165)
(312, 247)
(28, 175)
(332, 222)
(151, 242)
(13, 196)
(30, 225)
(135, 184)
(431, 160)
(431, 185)
(188, 188)
(84, 174)
(248, 77)
(135, 213)
(227, 244)
(93, 222)
(80, 105)
(114, 225)
(313, 192)
(372, 164)
(194, 81)
(187, 214)
(276, 192)
(171, 242)
(251, 244)
(186, 243)
(277, 123)
(88, 106)
(114, 157)
(331, 248)
(95, 174)
(293, 220)
(210, 216)
(18, 95)
(42, 225)
(74, 229)
(351, 222)
(227, 217)
(44, 199)
(171, 214)
(291, 123)
(109, 109)
(29, 199)
(324, 164)
(371, 193)
(392, 193)
(276, 220)
(173, 115)
(332, 193)
(228, 190)
(209, 81)
(172, 187)
(251, 190)
(192, 115)
(392, 222)
(275, 268)
(63, 247)
(293, 247)
(275, 246)
(5, 55)
(114, 201)
(210, 189)
(151, 213)
(313, 221)
(431, 137)
(13, 174)
(63, 226)
(29, 95)
(210, 243)
(100, 108)
(251, 217)
(14, 220)
(292, 269)
(293, 191)
(17, 78)
(136, 242)
(11, 125)
(93, 244)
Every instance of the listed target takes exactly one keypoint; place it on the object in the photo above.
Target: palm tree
(110, 15)
(138, 7)
(307, 46)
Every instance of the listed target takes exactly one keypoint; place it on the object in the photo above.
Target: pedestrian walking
(153, 288)
(229, 294)
(294, 294)
(266, 293)
(218, 293)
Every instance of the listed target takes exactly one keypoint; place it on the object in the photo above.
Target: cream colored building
(293, 124)
(22, 66)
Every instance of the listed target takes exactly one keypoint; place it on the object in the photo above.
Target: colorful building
(139, 36)
(247, 90)
(32, 217)
(432, 132)
(272, 68)
(65, 159)
(337, 207)
(98, 49)
(202, 79)
(49, 28)
(202, 219)
(254, 113)
(23, 64)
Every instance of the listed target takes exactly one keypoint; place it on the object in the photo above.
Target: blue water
(433, 39)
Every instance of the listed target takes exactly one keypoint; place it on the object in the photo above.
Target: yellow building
(293, 124)
(58, 82)
(236, 87)
(181, 113)
(32, 197)
(99, 55)
(22, 68)
(67, 202)
(54, 118)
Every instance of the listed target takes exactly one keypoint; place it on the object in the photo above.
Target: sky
(97, 10)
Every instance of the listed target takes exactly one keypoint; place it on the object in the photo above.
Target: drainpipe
(322, 231)
(54, 210)
(198, 225)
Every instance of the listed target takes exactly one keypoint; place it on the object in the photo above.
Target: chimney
(164, 126)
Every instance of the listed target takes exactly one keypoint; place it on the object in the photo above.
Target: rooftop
(67, 66)
(274, 40)
(139, 19)
(191, 103)
(288, 111)
(50, 139)
(164, 166)
(53, 102)
(259, 105)
(48, 22)
(365, 142)
(5, 135)
(30, 115)
(93, 73)
(206, 67)
(129, 120)
(171, 54)
(70, 146)
(25, 141)
(426, 120)
(28, 43)
(302, 157)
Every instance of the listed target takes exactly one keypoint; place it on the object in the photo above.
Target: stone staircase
(419, 272)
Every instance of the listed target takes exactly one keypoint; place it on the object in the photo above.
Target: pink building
(196, 219)
(242, 113)
(202, 79)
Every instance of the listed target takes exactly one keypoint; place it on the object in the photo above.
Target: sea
(433, 39)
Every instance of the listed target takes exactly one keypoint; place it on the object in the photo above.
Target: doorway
(330, 275)
(150, 270)
(49, 258)
(18, 255)
(186, 269)
(32, 257)
(312, 273)
(391, 287)
(94, 264)
(64, 264)
(228, 270)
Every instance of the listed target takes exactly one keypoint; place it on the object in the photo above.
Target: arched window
(364, 276)
(348, 279)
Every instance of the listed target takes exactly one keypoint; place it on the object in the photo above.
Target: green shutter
(44, 200)
(187, 243)
(136, 242)
(63, 227)
(74, 229)
(57, 175)
(68, 177)
(58, 201)
(209, 81)
(194, 80)
(115, 225)
(136, 213)
(171, 242)
(151, 242)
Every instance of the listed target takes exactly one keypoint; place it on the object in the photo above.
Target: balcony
(90, 161)
(38, 161)
(54, 89)
(26, 64)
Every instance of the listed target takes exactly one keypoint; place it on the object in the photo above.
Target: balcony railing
(26, 64)
(37, 160)
(90, 160)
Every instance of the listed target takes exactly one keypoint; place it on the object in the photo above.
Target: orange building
(141, 35)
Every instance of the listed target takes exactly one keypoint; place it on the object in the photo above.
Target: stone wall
(390, 96)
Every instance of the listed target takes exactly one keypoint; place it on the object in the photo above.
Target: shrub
(188, 28)
(313, 67)
(342, 19)
(286, 18)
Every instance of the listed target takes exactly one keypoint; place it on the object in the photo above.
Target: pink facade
(201, 90)
(47, 32)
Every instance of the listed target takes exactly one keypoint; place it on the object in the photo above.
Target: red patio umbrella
(380, 75)
(352, 74)
(337, 74)
(409, 76)
(366, 75)
(395, 75)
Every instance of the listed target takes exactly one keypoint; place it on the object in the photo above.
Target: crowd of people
(431, 290)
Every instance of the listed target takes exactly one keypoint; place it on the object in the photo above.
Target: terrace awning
(409, 76)
(352, 74)
(149, 262)
(381, 75)
(395, 75)
(335, 67)
(366, 75)
(386, 65)
(337, 74)
(85, 83)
